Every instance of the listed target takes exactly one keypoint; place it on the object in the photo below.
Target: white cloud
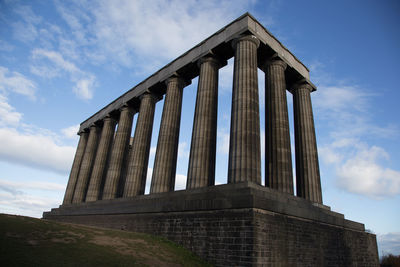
(225, 79)
(180, 182)
(223, 142)
(35, 150)
(84, 88)
(71, 132)
(8, 115)
(84, 82)
(360, 165)
(56, 58)
(155, 30)
(183, 150)
(26, 28)
(389, 243)
(153, 151)
(362, 174)
(16, 82)
(26, 204)
(11, 186)
(337, 98)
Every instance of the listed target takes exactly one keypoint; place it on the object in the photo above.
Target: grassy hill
(26, 241)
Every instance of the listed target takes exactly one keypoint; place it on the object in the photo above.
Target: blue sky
(61, 61)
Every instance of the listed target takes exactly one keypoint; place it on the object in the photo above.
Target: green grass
(26, 241)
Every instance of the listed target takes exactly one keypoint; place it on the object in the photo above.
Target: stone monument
(241, 223)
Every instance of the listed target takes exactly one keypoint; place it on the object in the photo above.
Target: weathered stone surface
(86, 166)
(119, 151)
(163, 179)
(76, 165)
(308, 182)
(244, 147)
(242, 224)
(100, 162)
(278, 157)
(139, 157)
(201, 170)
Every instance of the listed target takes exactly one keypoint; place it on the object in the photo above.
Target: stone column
(139, 157)
(278, 158)
(76, 165)
(119, 151)
(163, 179)
(87, 165)
(308, 182)
(201, 170)
(244, 145)
(100, 161)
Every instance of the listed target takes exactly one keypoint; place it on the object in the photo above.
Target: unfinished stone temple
(242, 222)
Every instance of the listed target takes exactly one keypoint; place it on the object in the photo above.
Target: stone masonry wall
(248, 237)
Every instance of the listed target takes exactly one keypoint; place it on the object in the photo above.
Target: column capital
(86, 130)
(273, 61)
(128, 107)
(109, 117)
(178, 79)
(213, 60)
(249, 37)
(301, 85)
(151, 95)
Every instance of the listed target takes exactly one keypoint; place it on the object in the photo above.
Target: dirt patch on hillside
(148, 253)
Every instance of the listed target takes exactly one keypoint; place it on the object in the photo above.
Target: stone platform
(241, 224)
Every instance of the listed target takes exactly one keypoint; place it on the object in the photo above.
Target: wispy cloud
(29, 145)
(8, 115)
(15, 199)
(71, 132)
(12, 81)
(389, 243)
(359, 165)
(84, 82)
(35, 150)
(365, 174)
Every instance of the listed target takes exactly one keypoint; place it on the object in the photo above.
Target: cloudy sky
(61, 61)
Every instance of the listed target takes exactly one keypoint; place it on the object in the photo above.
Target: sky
(62, 61)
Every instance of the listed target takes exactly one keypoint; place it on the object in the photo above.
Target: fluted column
(163, 179)
(201, 170)
(139, 156)
(278, 157)
(308, 182)
(119, 151)
(76, 165)
(105, 143)
(244, 145)
(87, 165)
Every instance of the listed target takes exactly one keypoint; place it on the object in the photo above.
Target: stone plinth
(236, 224)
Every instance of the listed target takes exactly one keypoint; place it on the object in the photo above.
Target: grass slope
(26, 241)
